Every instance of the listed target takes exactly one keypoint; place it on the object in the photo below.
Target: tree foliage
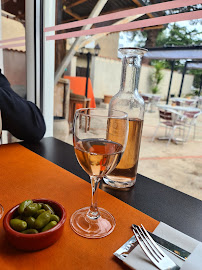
(156, 76)
(181, 36)
(150, 35)
(176, 35)
(197, 77)
(172, 35)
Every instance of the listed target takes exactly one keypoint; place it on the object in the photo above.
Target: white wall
(106, 76)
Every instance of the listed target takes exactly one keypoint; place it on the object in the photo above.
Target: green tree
(176, 35)
(156, 76)
(152, 34)
(197, 77)
(172, 35)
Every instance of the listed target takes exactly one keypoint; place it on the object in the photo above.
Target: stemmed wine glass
(99, 138)
(1, 207)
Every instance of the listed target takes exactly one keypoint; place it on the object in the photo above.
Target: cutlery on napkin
(136, 258)
(177, 251)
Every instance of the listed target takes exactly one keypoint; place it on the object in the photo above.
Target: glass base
(119, 183)
(92, 228)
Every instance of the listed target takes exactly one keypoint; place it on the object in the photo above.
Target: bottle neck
(130, 74)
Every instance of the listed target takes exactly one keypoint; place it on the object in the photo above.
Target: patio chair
(190, 103)
(170, 119)
(191, 119)
(83, 102)
(77, 100)
(61, 110)
(176, 103)
(147, 102)
(154, 101)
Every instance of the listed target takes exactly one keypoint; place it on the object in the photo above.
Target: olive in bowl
(22, 237)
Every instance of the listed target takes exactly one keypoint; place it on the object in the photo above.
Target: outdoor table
(183, 100)
(178, 108)
(153, 99)
(55, 160)
(151, 95)
(159, 201)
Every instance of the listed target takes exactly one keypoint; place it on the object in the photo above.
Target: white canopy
(174, 53)
(192, 54)
(194, 65)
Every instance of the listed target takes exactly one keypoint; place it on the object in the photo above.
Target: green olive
(49, 226)
(18, 224)
(54, 218)
(31, 209)
(33, 217)
(30, 222)
(40, 205)
(23, 205)
(30, 231)
(39, 212)
(42, 220)
(48, 207)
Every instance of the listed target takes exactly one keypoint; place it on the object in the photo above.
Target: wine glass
(1, 207)
(99, 138)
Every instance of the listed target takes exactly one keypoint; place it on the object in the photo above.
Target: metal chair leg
(194, 131)
(188, 132)
(166, 131)
(184, 134)
(171, 135)
(154, 136)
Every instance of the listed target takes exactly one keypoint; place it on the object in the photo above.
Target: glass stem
(93, 212)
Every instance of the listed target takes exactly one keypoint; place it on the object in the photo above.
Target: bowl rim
(10, 212)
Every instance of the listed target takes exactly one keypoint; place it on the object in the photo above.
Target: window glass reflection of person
(20, 117)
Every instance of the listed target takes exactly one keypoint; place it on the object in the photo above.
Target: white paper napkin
(139, 261)
(194, 261)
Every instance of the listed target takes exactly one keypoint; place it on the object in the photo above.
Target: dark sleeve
(20, 117)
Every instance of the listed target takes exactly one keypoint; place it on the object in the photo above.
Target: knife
(179, 252)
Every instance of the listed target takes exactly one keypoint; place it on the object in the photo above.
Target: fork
(152, 250)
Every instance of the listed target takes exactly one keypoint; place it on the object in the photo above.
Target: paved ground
(178, 166)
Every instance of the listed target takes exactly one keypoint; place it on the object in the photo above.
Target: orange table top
(78, 86)
(25, 175)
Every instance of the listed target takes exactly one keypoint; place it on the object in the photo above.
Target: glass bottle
(129, 101)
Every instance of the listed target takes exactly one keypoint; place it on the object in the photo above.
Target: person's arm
(20, 117)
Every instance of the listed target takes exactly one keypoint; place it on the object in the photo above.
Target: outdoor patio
(178, 166)
(175, 165)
